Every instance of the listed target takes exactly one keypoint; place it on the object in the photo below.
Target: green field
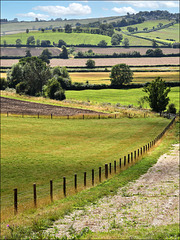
(139, 77)
(122, 96)
(37, 150)
(69, 38)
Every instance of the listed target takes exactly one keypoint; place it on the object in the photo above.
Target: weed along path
(152, 200)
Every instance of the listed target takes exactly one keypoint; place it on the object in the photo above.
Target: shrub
(90, 63)
(3, 84)
(171, 108)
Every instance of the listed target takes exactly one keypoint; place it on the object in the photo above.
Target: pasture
(138, 77)
(37, 150)
(167, 33)
(69, 38)
(122, 96)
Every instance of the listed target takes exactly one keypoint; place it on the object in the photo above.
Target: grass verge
(31, 224)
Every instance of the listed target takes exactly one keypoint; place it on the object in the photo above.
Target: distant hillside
(129, 19)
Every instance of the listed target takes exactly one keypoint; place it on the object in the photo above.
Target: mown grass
(122, 96)
(32, 223)
(138, 77)
(38, 150)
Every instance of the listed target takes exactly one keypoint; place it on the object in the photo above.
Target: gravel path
(151, 200)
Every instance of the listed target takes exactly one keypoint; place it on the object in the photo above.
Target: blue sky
(29, 10)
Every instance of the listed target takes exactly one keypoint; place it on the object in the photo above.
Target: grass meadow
(38, 150)
(122, 96)
(69, 38)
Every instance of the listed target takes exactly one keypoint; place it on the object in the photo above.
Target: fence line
(107, 171)
(78, 116)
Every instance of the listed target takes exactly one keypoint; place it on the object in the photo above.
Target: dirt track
(18, 107)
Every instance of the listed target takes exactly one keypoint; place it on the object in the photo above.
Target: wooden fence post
(131, 156)
(138, 152)
(83, 116)
(64, 186)
(110, 168)
(7, 114)
(115, 116)
(67, 116)
(128, 158)
(38, 115)
(114, 166)
(124, 160)
(141, 151)
(99, 116)
(92, 177)
(51, 190)
(134, 155)
(15, 201)
(84, 179)
(35, 195)
(99, 174)
(106, 170)
(120, 162)
(75, 182)
(51, 115)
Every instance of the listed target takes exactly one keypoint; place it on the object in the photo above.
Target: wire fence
(89, 178)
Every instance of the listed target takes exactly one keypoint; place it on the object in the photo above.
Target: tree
(28, 53)
(4, 43)
(158, 52)
(33, 72)
(64, 53)
(45, 43)
(45, 55)
(18, 42)
(61, 43)
(54, 90)
(68, 28)
(62, 75)
(90, 63)
(38, 42)
(171, 108)
(102, 43)
(157, 94)
(154, 44)
(126, 42)
(31, 40)
(27, 30)
(121, 74)
(116, 39)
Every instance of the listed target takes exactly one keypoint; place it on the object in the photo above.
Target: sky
(46, 10)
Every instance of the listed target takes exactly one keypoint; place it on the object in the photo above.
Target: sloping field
(18, 107)
(37, 150)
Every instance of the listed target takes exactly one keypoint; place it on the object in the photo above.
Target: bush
(54, 90)
(3, 84)
(171, 108)
(90, 63)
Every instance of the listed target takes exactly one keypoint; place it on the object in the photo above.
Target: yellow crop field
(139, 77)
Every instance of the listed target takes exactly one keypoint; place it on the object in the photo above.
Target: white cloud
(152, 4)
(33, 15)
(124, 10)
(170, 4)
(72, 9)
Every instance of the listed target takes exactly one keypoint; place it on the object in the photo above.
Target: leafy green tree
(116, 38)
(64, 53)
(121, 74)
(62, 75)
(18, 42)
(4, 43)
(45, 55)
(33, 72)
(3, 83)
(30, 40)
(68, 28)
(157, 94)
(102, 43)
(158, 52)
(27, 30)
(28, 53)
(154, 44)
(61, 43)
(126, 42)
(90, 63)
(54, 90)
